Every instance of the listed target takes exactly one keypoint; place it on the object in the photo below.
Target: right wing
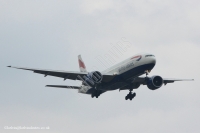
(62, 74)
(73, 75)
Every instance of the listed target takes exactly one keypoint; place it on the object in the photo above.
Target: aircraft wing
(142, 80)
(166, 81)
(64, 86)
(73, 75)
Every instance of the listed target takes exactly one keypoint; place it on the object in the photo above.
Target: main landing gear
(95, 94)
(130, 96)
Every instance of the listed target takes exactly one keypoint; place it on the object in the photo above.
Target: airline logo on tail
(81, 64)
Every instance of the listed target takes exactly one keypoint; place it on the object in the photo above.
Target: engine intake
(93, 78)
(154, 82)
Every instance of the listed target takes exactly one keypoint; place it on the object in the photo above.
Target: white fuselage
(130, 63)
(129, 68)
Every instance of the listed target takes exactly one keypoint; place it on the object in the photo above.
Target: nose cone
(152, 60)
(151, 63)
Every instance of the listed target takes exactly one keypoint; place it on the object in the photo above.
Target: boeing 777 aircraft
(122, 76)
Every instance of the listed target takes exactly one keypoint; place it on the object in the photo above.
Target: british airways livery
(123, 76)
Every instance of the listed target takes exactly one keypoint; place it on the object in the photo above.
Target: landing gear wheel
(126, 98)
(134, 94)
(130, 96)
(95, 94)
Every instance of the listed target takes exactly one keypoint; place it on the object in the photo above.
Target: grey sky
(51, 34)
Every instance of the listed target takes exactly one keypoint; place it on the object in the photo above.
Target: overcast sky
(50, 34)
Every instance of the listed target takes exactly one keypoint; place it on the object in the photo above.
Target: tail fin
(81, 64)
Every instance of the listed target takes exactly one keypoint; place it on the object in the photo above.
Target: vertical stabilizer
(81, 64)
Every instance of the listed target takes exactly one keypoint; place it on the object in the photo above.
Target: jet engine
(154, 82)
(93, 78)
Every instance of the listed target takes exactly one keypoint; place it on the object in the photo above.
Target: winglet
(81, 64)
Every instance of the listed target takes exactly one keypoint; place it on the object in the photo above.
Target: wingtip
(190, 79)
(48, 86)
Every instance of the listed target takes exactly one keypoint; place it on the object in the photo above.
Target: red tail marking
(81, 64)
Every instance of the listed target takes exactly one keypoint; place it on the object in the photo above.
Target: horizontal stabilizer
(63, 86)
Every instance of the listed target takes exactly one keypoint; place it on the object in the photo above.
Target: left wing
(142, 80)
(166, 81)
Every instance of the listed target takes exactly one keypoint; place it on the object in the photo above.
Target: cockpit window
(150, 55)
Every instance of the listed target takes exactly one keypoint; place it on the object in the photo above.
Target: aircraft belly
(136, 71)
(113, 86)
(120, 80)
(87, 90)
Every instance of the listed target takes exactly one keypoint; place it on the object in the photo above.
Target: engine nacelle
(93, 78)
(154, 82)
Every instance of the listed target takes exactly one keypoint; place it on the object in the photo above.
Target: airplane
(123, 76)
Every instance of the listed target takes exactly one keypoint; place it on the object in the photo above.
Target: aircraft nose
(153, 60)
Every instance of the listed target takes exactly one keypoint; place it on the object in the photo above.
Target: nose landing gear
(147, 72)
(130, 96)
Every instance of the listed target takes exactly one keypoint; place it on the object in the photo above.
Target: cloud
(93, 6)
